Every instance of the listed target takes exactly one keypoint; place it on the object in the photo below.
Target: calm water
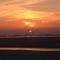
(28, 41)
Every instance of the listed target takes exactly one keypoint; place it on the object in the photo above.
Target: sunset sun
(30, 24)
(32, 14)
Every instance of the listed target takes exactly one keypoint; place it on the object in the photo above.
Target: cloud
(36, 5)
(23, 2)
(47, 5)
(19, 7)
(2, 1)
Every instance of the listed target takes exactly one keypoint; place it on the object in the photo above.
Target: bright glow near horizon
(30, 24)
(16, 14)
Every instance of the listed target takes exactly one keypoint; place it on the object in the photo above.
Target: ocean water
(30, 41)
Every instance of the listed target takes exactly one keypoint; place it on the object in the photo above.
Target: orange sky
(32, 14)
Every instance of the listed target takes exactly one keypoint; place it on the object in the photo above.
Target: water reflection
(32, 49)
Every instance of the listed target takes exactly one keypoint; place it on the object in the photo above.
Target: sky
(34, 16)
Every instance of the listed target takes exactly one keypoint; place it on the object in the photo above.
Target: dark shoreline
(36, 42)
(31, 42)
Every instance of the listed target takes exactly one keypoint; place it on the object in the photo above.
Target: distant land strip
(25, 36)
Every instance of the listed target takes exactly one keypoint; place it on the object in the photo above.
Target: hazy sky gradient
(45, 13)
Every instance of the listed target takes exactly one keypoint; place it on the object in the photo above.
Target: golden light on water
(30, 49)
